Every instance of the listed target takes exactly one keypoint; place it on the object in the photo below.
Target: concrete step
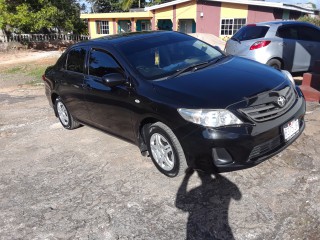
(310, 94)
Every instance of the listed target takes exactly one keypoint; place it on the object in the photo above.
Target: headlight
(289, 76)
(209, 117)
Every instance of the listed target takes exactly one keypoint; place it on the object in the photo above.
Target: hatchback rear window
(251, 32)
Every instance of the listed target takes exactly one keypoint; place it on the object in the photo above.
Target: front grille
(270, 109)
(265, 147)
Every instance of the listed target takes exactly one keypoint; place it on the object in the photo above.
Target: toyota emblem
(281, 101)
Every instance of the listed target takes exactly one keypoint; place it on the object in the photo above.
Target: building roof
(246, 2)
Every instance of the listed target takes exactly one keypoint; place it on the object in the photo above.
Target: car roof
(274, 23)
(126, 37)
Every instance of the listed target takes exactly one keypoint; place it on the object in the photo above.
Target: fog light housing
(221, 156)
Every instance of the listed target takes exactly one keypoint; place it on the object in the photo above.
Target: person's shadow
(208, 206)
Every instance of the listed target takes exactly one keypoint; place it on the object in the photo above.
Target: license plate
(290, 129)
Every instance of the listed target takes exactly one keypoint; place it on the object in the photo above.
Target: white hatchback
(290, 45)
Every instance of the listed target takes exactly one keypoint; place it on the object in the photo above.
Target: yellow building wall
(164, 13)
(92, 17)
(232, 10)
(187, 10)
(93, 28)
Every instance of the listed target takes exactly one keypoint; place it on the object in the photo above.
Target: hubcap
(63, 114)
(162, 151)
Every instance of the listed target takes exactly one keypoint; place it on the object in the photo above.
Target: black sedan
(181, 101)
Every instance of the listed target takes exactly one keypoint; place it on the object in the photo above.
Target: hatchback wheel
(65, 117)
(275, 63)
(165, 150)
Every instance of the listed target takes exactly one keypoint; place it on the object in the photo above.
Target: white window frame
(231, 22)
(102, 27)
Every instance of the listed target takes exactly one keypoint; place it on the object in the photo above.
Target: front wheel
(165, 150)
(64, 116)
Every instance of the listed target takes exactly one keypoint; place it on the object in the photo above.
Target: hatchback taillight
(259, 44)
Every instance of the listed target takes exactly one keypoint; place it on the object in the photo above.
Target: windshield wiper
(211, 62)
(192, 68)
(195, 67)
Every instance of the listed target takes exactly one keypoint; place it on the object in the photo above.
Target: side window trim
(93, 48)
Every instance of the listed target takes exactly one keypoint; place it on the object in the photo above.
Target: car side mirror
(113, 79)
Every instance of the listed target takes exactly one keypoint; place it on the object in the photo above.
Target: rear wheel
(275, 63)
(64, 116)
(165, 150)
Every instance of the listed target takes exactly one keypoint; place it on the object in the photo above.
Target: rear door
(109, 107)
(297, 53)
(309, 38)
(71, 78)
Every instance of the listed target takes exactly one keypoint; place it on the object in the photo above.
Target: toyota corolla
(183, 102)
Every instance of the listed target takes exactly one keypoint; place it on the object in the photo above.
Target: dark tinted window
(75, 61)
(289, 32)
(299, 32)
(101, 63)
(61, 63)
(309, 34)
(251, 32)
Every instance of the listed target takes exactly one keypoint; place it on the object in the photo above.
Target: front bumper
(233, 148)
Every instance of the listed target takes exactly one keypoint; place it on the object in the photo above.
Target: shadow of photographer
(208, 206)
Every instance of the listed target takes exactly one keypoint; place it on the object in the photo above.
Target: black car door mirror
(113, 79)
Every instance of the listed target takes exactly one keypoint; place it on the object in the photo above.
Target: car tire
(165, 150)
(275, 63)
(64, 115)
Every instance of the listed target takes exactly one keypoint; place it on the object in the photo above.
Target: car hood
(230, 81)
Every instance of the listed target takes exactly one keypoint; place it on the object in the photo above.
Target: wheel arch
(141, 132)
(53, 100)
(279, 59)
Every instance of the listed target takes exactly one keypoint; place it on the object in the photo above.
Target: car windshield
(163, 56)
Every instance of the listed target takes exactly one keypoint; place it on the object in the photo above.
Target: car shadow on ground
(208, 206)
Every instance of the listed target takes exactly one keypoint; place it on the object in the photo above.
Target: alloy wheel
(162, 151)
(63, 113)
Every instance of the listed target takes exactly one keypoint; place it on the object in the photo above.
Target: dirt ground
(84, 184)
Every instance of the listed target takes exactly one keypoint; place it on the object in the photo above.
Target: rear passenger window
(101, 63)
(309, 34)
(289, 32)
(304, 33)
(75, 60)
(251, 32)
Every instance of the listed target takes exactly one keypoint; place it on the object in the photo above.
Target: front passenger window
(101, 63)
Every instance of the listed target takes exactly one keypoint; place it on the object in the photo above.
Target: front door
(108, 106)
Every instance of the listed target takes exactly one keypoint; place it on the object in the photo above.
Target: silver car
(290, 45)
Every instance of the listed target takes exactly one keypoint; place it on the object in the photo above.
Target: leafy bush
(315, 20)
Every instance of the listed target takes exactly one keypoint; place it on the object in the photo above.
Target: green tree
(116, 5)
(106, 6)
(29, 16)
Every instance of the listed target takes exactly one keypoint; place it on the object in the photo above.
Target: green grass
(35, 71)
(12, 70)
